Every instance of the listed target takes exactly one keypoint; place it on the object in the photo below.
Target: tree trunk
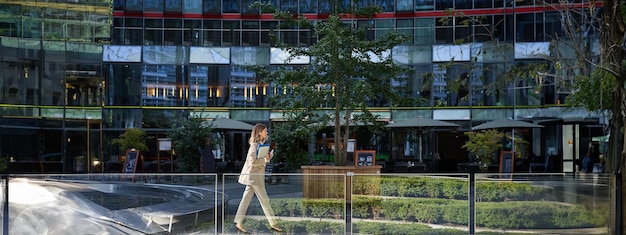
(612, 57)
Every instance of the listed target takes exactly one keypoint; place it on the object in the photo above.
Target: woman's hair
(255, 137)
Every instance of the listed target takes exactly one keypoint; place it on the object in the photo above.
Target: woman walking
(253, 177)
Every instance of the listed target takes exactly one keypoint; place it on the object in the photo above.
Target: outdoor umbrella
(230, 124)
(221, 125)
(505, 123)
(422, 125)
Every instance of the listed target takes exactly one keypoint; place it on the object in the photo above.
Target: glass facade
(82, 71)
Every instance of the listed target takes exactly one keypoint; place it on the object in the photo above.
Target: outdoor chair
(541, 165)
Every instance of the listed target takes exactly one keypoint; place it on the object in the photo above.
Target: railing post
(348, 200)
(472, 202)
(5, 200)
(618, 203)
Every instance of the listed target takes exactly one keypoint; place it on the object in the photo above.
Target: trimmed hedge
(437, 200)
(455, 188)
(510, 215)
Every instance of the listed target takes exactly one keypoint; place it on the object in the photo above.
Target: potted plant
(132, 138)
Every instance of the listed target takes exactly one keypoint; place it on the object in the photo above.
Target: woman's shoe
(276, 228)
(240, 230)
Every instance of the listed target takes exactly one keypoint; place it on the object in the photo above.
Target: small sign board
(132, 160)
(351, 145)
(165, 144)
(365, 157)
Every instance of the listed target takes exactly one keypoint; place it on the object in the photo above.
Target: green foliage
(535, 215)
(508, 191)
(4, 163)
(392, 211)
(483, 144)
(366, 184)
(381, 228)
(595, 92)
(132, 138)
(188, 136)
(342, 77)
(291, 140)
(325, 208)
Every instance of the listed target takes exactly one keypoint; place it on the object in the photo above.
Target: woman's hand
(269, 155)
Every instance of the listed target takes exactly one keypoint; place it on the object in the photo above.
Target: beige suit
(253, 176)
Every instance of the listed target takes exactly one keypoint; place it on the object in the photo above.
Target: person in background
(587, 163)
(253, 177)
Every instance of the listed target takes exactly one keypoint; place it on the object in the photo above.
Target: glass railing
(306, 203)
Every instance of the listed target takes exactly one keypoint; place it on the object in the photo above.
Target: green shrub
(380, 228)
(501, 205)
(325, 208)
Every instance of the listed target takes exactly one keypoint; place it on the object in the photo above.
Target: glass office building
(75, 74)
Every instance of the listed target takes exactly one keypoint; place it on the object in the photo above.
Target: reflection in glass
(153, 6)
(212, 7)
(124, 84)
(134, 5)
(173, 6)
(232, 6)
(424, 5)
(308, 6)
(161, 86)
(193, 6)
(386, 5)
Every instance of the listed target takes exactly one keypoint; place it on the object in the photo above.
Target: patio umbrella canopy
(422, 125)
(230, 124)
(505, 123)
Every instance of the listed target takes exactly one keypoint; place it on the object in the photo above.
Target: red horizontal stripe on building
(385, 15)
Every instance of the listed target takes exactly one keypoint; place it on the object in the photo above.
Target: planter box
(328, 181)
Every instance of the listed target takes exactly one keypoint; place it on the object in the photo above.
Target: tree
(348, 71)
(291, 141)
(603, 89)
(188, 136)
(483, 144)
(133, 138)
(613, 61)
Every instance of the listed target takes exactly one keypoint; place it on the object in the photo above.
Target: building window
(444, 33)
(383, 27)
(231, 34)
(424, 5)
(172, 33)
(232, 6)
(134, 5)
(308, 6)
(212, 7)
(405, 26)
(173, 6)
(386, 5)
(443, 4)
(478, 4)
(483, 29)
(424, 31)
(251, 35)
(193, 6)
(525, 27)
(153, 6)
(212, 34)
(405, 5)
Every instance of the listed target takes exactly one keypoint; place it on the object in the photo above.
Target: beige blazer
(253, 171)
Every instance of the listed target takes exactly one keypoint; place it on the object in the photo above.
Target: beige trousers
(261, 194)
